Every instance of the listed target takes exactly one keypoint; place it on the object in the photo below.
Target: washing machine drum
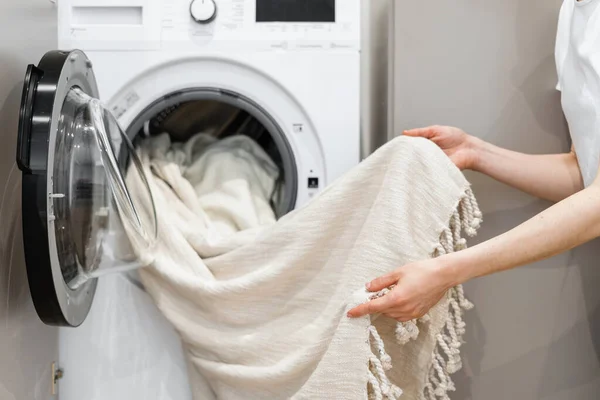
(74, 195)
(221, 114)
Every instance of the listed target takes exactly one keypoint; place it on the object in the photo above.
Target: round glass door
(93, 208)
(78, 214)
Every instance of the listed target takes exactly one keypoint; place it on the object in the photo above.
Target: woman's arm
(565, 225)
(551, 177)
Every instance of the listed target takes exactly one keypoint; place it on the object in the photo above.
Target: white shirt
(578, 66)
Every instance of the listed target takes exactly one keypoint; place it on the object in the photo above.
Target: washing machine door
(74, 192)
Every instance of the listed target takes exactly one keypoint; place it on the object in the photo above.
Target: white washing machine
(285, 72)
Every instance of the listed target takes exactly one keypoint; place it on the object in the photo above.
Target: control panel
(212, 24)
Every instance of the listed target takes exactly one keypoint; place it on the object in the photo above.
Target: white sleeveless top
(578, 66)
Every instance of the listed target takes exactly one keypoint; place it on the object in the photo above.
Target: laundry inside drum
(224, 118)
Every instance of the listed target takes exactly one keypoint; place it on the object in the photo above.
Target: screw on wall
(57, 374)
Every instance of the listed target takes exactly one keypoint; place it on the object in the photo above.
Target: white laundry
(262, 311)
(233, 179)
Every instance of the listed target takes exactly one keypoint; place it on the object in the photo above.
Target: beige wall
(488, 68)
(27, 348)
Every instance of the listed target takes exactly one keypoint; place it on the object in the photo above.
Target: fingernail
(368, 285)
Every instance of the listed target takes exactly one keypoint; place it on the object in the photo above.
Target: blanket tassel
(380, 385)
(446, 354)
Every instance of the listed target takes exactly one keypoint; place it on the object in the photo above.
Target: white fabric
(578, 65)
(233, 179)
(262, 311)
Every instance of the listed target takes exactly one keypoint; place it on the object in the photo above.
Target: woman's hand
(419, 287)
(551, 177)
(458, 145)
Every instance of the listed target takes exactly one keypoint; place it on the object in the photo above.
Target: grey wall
(27, 348)
(488, 68)
(376, 74)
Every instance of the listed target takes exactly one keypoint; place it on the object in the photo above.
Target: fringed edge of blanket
(446, 359)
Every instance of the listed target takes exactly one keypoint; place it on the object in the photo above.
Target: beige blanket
(261, 306)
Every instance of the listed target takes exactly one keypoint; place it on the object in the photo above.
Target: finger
(382, 282)
(371, 307)
(426, 133)
(400, 317)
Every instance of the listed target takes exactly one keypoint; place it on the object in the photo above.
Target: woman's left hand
(419, 287)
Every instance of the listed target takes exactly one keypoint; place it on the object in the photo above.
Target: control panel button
(203, 11)
(313, 183)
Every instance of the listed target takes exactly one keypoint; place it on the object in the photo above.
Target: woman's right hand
(458, 145)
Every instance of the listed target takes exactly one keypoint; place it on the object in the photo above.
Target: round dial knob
(203, 11)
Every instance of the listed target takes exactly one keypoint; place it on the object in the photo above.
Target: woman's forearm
(551, 177)
(563, 226)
